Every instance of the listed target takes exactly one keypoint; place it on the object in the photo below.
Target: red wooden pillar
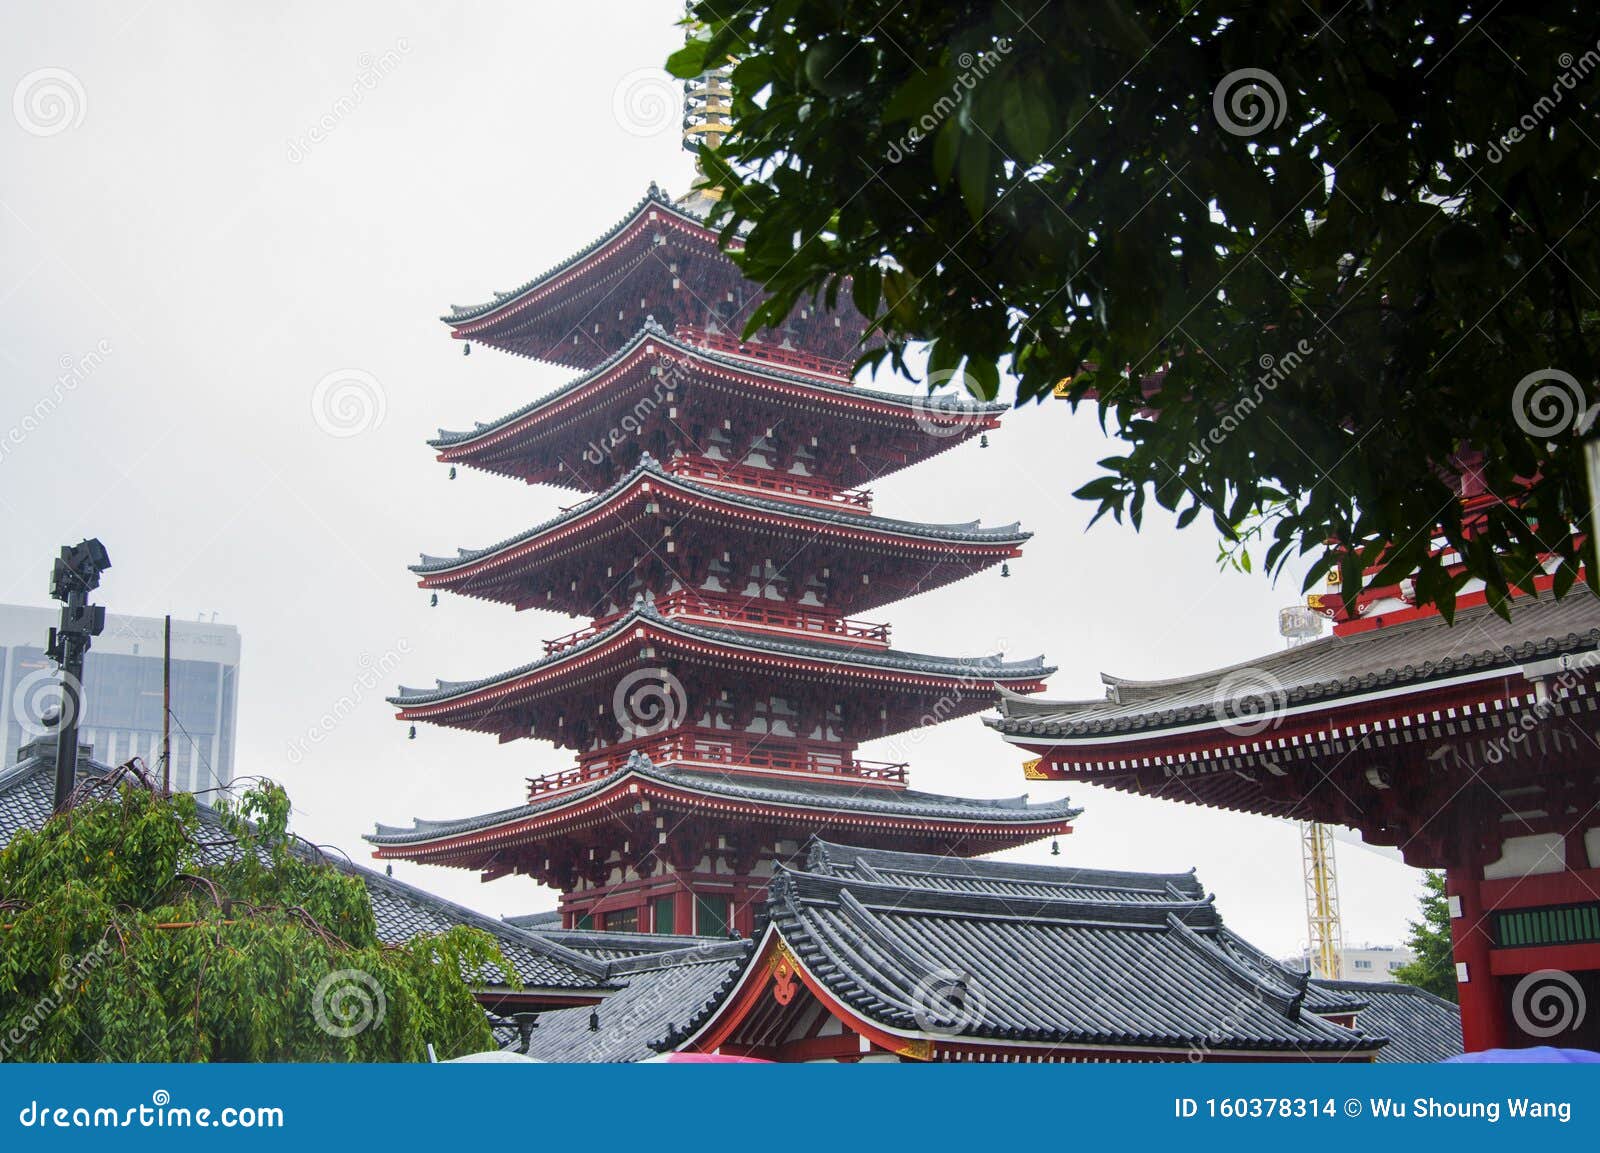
(1483, 1024)
(683, 912)
(741, 910)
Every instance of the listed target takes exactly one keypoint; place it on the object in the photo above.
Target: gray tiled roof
(658, 995)
(965, 532)
(1095, 972)
(975, 875)
(603, 944)
(1420, 1026)
(819, 795)
(953, 406)
(976, 669)
(1399, 656)
(401, 911)
(654, 195)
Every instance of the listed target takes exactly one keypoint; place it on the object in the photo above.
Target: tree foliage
(1307, 258)
(1434, 967)
(132, 931)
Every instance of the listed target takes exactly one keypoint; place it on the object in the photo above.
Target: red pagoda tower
(723, 544)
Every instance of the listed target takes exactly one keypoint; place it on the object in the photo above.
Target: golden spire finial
(707, 115)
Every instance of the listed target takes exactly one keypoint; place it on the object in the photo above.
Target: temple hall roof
(658, 993)
(1420, 1026)
(1397, 658)
(1087, 959)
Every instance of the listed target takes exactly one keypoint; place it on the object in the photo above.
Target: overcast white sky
(178, 215)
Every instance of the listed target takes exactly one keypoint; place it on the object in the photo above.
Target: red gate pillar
(1483, 1023)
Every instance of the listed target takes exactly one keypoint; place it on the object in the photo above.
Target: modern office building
(122, 692)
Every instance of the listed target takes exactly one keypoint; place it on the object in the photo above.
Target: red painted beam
(1532, 958)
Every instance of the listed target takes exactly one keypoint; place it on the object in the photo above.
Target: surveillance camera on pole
(75, 575)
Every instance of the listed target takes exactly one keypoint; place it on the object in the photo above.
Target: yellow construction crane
(1324, 931)
(1324, 934)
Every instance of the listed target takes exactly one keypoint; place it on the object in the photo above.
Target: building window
(1363, 964)
(585, 921)
(623, 920)
(710, 916)
(664, 914)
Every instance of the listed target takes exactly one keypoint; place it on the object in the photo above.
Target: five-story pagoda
(723, 545)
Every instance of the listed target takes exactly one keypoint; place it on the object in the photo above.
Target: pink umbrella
(701, 1059)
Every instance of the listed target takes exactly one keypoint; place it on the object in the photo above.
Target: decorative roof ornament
(707, 120)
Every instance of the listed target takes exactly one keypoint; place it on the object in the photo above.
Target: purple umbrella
(1538, 1055)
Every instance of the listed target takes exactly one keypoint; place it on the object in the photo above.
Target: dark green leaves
(1312, 331)
(118, 944)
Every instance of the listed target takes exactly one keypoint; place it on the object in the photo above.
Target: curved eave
(646, 479)
(834, 661)
(1382, 672)
(470, 319)
(969, 419)
(471, 838)
(1377, 709)
(714, 1026)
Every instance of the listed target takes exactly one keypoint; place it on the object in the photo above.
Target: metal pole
(76, 574)
(166, 710)
(71, 702)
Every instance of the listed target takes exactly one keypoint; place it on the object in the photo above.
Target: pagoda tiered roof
(922, 819)
(566, 436)
(516, 569)
(652, 256)
(485, 703)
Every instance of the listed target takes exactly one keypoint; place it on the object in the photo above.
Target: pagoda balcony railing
(732, 753)
(838, 371)
(802, 489)
(766, 616)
